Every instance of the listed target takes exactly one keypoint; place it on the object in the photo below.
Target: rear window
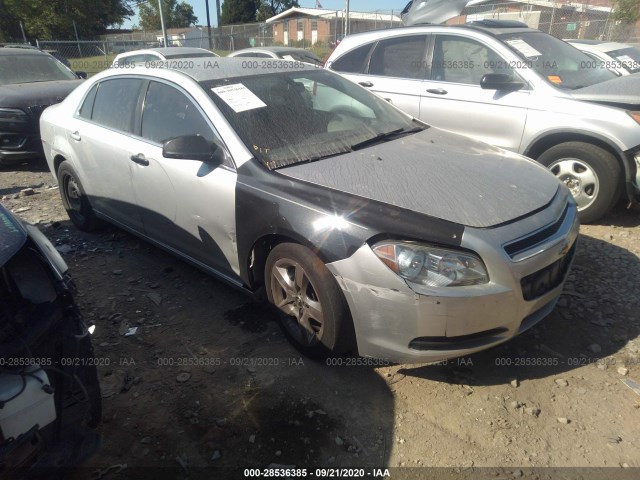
(628, 58)
(115, 103)
(353, 61)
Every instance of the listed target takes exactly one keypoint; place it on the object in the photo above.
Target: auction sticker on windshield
(524, 48)
(239, 97)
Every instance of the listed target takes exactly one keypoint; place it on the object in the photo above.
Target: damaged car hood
(623, 92)
(12, 236)
(439, 174)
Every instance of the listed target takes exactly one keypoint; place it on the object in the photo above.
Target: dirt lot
(208, 386)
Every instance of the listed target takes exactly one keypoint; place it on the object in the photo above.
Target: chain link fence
(321, 32)
(567, 20)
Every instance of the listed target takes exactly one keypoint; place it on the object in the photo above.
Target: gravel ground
(208, 386)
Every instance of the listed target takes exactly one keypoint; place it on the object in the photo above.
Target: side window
(131, 59)
(353, 61)
(254, 55)
(402, 57)
(463, 60)
(87, 106)
(115, 103)
(168, 113)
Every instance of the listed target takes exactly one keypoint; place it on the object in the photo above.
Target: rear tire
(75, 200)
(592, 174)
(313, 312)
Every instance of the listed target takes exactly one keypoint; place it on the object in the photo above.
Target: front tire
(313, 312)
(75, 200)
(591, 173)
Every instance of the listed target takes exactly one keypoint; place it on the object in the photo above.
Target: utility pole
(164, 30)
(219, 23)
(347, 28)
(75, 29)
(206, 2)
(24, 37)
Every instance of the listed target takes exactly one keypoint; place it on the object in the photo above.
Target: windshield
(300, 57)
(292, 117)
(628, 58)
(556, 61)
(32, 68)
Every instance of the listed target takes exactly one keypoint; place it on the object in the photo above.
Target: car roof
(224, 67)
(272, 49)
(167, 51)
(480, 26)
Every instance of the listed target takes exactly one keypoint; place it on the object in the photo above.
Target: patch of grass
(91, 65)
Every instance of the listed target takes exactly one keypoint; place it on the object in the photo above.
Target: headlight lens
(432, 266)
(12, 115)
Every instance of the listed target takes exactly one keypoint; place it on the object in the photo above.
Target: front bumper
(527, 261)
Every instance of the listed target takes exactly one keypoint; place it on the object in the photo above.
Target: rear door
(101, 135)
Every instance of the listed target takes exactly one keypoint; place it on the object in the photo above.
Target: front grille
(524, 244)
(460, 342)
(10, 141)
(545, 280)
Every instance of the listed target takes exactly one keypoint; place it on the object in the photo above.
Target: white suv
(513, 87)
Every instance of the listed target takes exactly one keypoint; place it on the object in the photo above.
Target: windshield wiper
(385, 137)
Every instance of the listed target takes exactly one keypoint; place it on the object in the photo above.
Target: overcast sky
(200, 11)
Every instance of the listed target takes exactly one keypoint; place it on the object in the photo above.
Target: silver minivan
(514, 87)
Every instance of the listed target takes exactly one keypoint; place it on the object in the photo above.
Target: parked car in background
(620, 58)
(514, 87)
(30, 81)
(285, 53)
(158, 55)
(49, 387)
(368, 230)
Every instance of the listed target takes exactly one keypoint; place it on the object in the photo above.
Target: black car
(30, 81)
(50, 398)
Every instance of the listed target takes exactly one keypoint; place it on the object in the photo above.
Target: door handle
(366, 84)
(437, 91)
(139, 159)
(76, 136)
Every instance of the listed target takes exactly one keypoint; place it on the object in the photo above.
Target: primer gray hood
(620, 91)
(439, 174)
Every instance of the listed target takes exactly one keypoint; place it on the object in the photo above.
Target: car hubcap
(74, 197)
(579, 178)
(294, 294)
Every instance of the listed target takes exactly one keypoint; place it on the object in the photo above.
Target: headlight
(12, 115)
(431, 266)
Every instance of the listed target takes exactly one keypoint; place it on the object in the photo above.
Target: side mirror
(81, 74)
(193, 147)
(500, 81)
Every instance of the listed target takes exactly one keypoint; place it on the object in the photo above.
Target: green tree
(269, 8)
(176, 15)
(239, 11)
(627, 11)
(53, 19)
